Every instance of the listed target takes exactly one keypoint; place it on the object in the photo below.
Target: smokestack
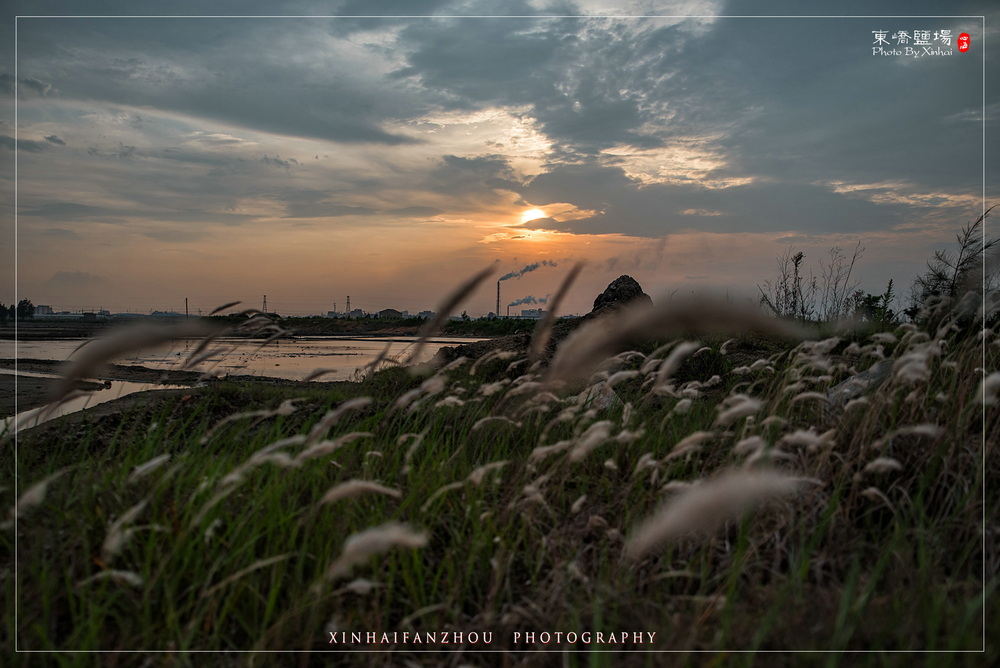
(498, 299)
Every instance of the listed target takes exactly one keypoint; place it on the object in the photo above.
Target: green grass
(237, 567)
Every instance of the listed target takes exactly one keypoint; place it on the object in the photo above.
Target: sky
(310, 156)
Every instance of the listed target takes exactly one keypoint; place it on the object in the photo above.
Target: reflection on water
(288, 359)
(294, 359)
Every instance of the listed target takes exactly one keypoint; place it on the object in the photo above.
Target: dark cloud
(480, 176)
(240, 71)
(585, 81)
(55, 140)
(29, 145)
(589, 186)
(595, 84)
(28, 87)
(276, 161)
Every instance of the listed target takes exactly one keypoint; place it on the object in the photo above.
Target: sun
(532, 214)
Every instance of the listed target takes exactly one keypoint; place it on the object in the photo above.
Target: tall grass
(698, 491)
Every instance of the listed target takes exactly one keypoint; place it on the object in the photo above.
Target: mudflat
(34, 392)
(31, 392)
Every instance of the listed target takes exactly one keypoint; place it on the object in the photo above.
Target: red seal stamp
(963, 42)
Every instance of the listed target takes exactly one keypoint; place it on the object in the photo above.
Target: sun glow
(532, 214)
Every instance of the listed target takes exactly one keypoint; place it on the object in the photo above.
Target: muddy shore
(35, 392)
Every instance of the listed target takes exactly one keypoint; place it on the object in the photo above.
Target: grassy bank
(200, 522)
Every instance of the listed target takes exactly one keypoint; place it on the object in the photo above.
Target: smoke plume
(530, 300)
(530, 267)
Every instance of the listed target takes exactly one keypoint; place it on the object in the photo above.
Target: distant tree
(837, 286)
(788, 297)
(25, 310)
(874, 309)
(3, 313)
(953, 276)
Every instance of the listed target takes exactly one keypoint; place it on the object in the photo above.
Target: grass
(482, 536)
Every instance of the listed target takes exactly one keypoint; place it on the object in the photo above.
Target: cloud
(65, 211)
(61, 233)
(630, 128)
(481, 176)
(175, 236)
(586, 81)
(278, 162)
(414, 211)
(123, 152)
(29, 145)
(26, 86)
(75, 279)
(240, 73)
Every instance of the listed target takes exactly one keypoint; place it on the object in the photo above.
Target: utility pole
(185, 308)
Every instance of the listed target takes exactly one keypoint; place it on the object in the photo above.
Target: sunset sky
(387, 159)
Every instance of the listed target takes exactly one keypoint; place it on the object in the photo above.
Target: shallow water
(287, 359)
(118, 389)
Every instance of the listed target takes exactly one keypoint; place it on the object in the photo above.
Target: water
(118, 389)
(287, 359)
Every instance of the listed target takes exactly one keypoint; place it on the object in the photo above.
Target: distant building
(43, 309)
(356, 313)
(536, 313)
(426, 314)
(390, 313)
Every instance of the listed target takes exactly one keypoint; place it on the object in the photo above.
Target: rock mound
(623, 290)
